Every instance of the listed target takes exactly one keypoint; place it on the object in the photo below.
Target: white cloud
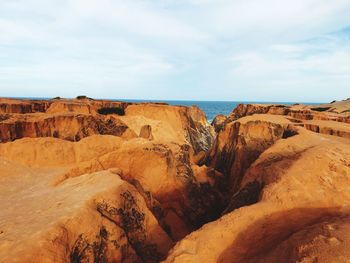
(139, 44)
(256, 64)
(313, 71)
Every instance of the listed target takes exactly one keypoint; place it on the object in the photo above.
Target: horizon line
(164, 100)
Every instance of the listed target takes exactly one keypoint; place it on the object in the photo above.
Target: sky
(231, 50)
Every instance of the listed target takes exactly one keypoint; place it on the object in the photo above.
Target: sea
(210, 108)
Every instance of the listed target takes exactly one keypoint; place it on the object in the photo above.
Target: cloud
(312, 70)
(175, 49)
(328, 53)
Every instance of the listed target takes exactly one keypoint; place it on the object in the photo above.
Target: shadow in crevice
(248, 195)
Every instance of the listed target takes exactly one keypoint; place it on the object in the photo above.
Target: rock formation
(285, 187)
(87, 180)
(103, 194)
(72, 127)
(219, 122)
(319, 118)
(146, 132)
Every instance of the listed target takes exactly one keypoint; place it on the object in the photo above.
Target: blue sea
(211, 108)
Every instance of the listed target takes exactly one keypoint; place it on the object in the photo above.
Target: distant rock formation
(325, 118)
(72, 127)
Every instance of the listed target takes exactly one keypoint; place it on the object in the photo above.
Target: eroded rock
(146, 132)
(292, 190)
(273, 185)
(69, 127)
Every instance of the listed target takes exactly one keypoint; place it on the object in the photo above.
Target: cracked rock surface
(88, 180)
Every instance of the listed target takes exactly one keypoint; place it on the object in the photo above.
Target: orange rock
(219, 122)
(171, 124)
(70, 127)
(77, 183)
(92, 217)
(146, 132)
(293, 188)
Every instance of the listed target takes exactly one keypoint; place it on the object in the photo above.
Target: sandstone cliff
(286, 192)
(324, 118)
(78, 118)
(137, 194)
(86, 180)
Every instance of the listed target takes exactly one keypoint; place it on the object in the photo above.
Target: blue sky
(257, 50)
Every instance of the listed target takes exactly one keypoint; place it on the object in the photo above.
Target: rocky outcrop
(137, 193)
(172, 124)
(57, 105)
(339, 107)
(328, 127)
(298, 112)
(288, 205)
(21, 107)
(165, 173)
(199, 133)
(85, 180)
(241, 143)
(312, 117)
(70, 127)
(219, 122)
(78, 118)
(84, 106)
(91, 218)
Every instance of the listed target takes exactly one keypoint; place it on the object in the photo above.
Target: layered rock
(60, 118)
(290, 189)
(328, 127)
(241, 143)
(169, 184)
(100, 181)
(318, 118)
(78, 118)
(91, 218)
(138, 193)
(21, 107)
(299, 112)
(172, 124)
(58, 105)
(70, 127)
